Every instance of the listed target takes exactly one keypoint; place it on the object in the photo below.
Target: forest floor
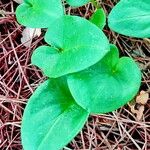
(119, 130)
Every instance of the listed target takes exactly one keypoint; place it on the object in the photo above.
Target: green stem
(95, 4)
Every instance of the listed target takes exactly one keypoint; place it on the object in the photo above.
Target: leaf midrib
(56, 120)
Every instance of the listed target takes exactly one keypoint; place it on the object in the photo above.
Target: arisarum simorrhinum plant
(75, 43)
(131, 18)
(85, 74)
(52, 117)
(39, 13)
(107, 85)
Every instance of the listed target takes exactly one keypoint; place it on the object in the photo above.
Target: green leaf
(99, 18)
(77, 44)
(107, 85)
(77, 3)
(51, 118)
(131, 18)
(39, 13)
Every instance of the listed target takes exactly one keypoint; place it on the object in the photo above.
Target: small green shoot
(99, 18)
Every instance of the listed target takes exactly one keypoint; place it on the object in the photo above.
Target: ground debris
(138, 105)
(142, 98)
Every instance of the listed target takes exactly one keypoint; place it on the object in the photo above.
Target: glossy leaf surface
(77, 3)
(99, 18)
(131, 18)
(51, 118)
(78, 44)
(107, 85)
(38, 13)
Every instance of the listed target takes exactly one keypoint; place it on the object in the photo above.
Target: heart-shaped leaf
(77, 44)
(99, 18)
(77, 3)
(131, 18)
(51, 118)
(107, 85)
(38, 13)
